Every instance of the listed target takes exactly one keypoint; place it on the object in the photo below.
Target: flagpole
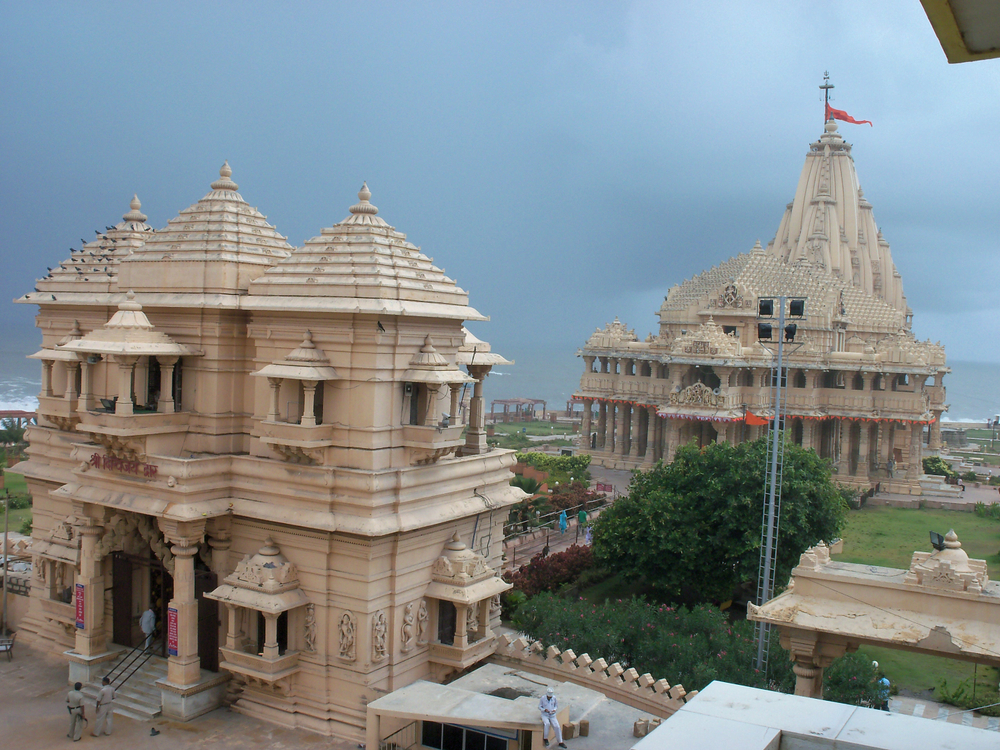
(826, 93)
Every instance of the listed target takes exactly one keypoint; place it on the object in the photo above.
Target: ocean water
(551, 374)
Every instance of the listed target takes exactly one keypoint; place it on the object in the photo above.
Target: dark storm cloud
(565, 163)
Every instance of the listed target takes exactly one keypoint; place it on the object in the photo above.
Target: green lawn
(889, 536)
(15, 483)
(532, 428)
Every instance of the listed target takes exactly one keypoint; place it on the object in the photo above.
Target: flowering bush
(549, 573)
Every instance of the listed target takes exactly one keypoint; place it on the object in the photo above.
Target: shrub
(25, 526)
(962, 697)
(687, 646)
(559, 468)
(937, 465)
(984, 510)
(549, 573)
(970, 476)
(994, 481)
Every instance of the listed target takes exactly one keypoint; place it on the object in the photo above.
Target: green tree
(692, 529)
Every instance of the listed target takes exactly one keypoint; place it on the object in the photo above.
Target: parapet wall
(627, 686)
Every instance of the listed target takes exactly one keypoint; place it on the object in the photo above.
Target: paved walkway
(33, 717)
(942, 712)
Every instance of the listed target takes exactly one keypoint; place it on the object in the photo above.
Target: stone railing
(627, 686)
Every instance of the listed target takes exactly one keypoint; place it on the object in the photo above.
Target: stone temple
(264, 444)
(860, 388)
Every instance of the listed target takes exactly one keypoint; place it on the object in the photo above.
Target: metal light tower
(775, 454)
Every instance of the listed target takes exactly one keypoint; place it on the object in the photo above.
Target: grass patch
(920, 674)
(15, 483)
(15, 520)
(889, 536)
(535, 429)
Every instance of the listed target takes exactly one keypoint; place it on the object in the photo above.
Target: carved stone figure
(406, 631)
(472, 618)
(310, 628)
(347, 640)
(422, 621)
(380, 630)
(495, 606)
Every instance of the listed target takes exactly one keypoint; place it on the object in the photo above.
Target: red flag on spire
(839, 114)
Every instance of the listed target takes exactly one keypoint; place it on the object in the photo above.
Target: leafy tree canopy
(692, 528)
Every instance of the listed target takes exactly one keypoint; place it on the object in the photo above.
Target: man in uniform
(104, 711)
(77, 715)
(549, 706)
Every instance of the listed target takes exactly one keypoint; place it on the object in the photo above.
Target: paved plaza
(33, 717)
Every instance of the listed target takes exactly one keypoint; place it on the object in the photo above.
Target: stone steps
(139, 698)
(932, 485)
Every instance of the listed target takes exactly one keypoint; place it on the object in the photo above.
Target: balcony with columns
(298, 382)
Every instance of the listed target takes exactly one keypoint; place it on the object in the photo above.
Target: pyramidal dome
(361, 265)
(93, 269)
(830, 226)
(217, 246)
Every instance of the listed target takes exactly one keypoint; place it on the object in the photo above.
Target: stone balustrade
(627, 686)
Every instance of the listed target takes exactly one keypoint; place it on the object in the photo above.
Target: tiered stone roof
(93, 269)
(217, 246)
(361, 264)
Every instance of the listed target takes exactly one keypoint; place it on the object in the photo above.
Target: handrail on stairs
(132, 662)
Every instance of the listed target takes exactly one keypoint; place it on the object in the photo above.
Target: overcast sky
(565, 163)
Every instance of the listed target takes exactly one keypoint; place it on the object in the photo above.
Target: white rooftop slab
(802, 724)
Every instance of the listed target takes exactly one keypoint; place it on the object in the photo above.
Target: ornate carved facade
(860, 389)
(233, 428)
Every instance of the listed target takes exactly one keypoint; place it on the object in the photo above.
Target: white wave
(25, 403)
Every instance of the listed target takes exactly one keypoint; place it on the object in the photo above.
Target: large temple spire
(830, 226)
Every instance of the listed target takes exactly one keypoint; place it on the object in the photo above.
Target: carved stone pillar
(633, 435)
(722, 432)
(71, 394)
(585, 423)
(125, 365)
(47, 377)
(166, 403)
(184, 667)
(456, 394)
(430, 417)
(914, 467)
(475, 436)
(673, 439)
(309, 407)
(621, 431)
(864, 462)
(219, 541)
(602, 424)
(86, 388)
(270, 635)
(90, 639)
(844, 447)
(275, 406)
(651, 420)
(588, 363)
(935, 430)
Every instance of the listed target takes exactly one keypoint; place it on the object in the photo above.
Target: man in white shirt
(549, 706)
(148, 624)
(104, 711)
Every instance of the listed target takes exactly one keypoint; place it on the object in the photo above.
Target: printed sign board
(79, 605)
(172, 631)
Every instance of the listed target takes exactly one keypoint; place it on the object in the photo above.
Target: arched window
(859, 382)
(800, 379)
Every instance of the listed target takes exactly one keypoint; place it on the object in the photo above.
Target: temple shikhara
(861, 390)
(266, 446)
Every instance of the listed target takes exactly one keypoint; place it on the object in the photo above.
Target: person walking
(148, 624)
(548, 704)
(77, 713)
(563, 522)
(102, 723)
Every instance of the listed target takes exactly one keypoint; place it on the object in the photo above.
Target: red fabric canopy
(753, 419)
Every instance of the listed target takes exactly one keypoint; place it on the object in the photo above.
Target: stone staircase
(139, 698)
(932, 485)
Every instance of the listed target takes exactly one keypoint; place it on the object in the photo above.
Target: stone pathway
(941, 712)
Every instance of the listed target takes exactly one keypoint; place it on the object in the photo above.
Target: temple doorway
(139, 582)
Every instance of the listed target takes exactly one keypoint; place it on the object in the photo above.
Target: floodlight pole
(6, 559)
(769, 540)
